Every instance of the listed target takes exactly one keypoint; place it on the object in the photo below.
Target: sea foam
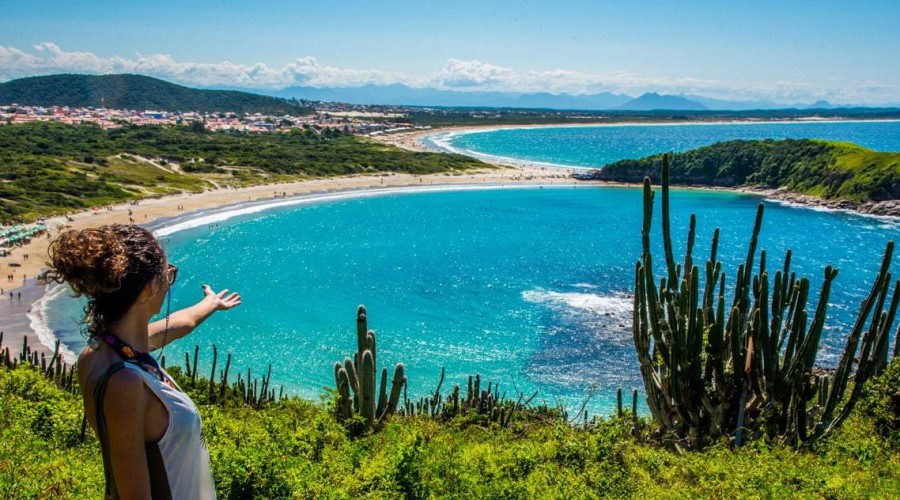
(39, 321)
(443, 142)
(617, 304)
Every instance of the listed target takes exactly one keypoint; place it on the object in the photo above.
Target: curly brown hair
(110, 265)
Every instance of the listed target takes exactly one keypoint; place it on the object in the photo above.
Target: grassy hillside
(295, 448)
(48, 168)
(136, 92)
(830, 170)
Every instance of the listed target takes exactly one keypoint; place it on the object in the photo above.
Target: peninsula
(811, 172)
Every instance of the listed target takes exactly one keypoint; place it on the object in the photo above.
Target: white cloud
(458, 73)
(307, 71)
(48, 58)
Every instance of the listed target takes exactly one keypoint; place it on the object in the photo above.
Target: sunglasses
(171, 274)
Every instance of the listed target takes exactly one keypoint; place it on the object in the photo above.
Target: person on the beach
(149, 430)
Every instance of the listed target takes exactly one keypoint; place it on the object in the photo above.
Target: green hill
(830, 170)
(50, 168)
(136, 92)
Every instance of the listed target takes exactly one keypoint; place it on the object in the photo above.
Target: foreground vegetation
(295, 448)
(713, 371)
(831, 170)
(49, 168)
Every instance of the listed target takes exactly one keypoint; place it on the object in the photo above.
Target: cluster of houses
(347, 122)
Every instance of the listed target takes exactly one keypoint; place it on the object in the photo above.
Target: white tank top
(182, 447)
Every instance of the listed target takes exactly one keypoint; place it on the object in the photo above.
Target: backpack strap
(102, 433)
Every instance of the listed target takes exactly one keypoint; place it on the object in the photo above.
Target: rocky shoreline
(885, 208)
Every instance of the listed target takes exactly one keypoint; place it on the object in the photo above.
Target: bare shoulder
(125, 395)
(85, 359)
(91, 365)
(85, 364)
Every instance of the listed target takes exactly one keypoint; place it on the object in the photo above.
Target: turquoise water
(599, 146)
(528, 287)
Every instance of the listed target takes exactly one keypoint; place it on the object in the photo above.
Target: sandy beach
(26, 262)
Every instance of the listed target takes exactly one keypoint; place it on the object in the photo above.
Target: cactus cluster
(359, 375)
(487, 402)
(620, 413)
(712, 369)
(250, 391)
(53, 368)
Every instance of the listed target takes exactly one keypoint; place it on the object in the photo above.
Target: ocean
(529, 287)
(596, 146)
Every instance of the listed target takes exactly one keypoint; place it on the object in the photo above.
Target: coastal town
(346, 118)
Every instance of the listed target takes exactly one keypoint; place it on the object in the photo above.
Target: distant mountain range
(651, 101)
(143, 92)
(137, 92)
(399, 94)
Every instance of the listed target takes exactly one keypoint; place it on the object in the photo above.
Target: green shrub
(295, 448)
(882, 402)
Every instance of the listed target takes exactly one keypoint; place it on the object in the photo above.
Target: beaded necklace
(143, 359)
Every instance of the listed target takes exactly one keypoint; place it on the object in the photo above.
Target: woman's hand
(220, 301)
(184, 321)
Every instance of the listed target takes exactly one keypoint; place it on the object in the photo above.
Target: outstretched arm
(183, 322)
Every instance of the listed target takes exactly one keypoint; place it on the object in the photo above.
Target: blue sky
(784, 51)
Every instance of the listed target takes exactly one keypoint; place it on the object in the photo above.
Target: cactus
(619, 411)
(488, 404)
(212, 374)
(369, 401)
(223, 383)
(193, 371)
(53, 368)
(712, 370)
(250, 391)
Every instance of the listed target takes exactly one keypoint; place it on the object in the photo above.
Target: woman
(149, 429)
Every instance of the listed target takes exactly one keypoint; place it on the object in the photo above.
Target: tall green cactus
(359, 375)
(713, 370)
